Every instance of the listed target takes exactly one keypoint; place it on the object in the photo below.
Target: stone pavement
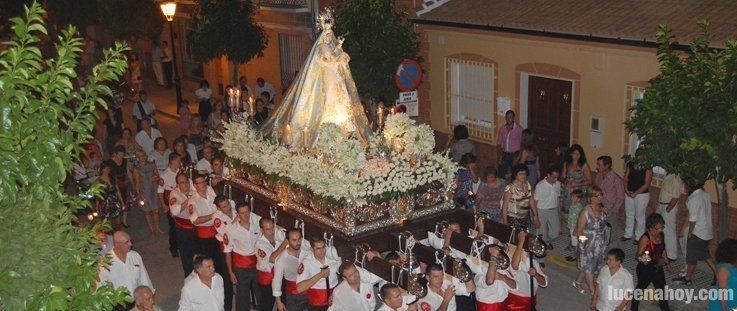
(167, 277)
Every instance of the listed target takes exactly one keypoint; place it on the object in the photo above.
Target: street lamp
(169, 8)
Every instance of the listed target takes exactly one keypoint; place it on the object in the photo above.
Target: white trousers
(669, 230)
(635, 209)
(158, 72)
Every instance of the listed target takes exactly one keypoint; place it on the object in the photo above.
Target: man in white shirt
(613, 283)
(147, 136)
(670, 194)
(240, 254)
(143, 298)
(266, 244)
(202, 216)
(356, 291)
(167, 183)
(166, 60)
(143, 109)
(547, 199)
(184, 230)
(156, 55)
(286, 263)
(700, 232)
(126, 266)
(393, 300)
(317, 274)
(441, 290)
(204, 166)
(520, 298)
(204, 290)
(492, 286)
(264, 86)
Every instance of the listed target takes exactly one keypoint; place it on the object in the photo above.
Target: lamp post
(169, 8)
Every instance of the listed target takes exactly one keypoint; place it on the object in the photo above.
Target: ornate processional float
(317, 156)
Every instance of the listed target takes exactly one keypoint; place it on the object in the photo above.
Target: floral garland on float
(391, 175)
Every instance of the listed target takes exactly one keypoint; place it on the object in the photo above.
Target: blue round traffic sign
(408, 75)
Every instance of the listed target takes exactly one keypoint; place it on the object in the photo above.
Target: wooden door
(549, 116)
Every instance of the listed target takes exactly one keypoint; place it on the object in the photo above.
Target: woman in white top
(204, 95)
(160, 155)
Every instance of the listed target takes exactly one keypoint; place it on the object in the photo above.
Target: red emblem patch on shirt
(136, 265)
(191, 209)
(217, 223)
(261, 253)
(424, 306)
(226, 239)
(300, 269)
(368, 296)
(172, 201)
(161, 182)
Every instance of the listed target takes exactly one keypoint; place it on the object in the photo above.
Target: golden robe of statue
(323, 92)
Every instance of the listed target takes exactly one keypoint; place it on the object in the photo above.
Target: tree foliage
(48, 264)
(687, 119)
(378, 37)
(227, 28)
(124, 19)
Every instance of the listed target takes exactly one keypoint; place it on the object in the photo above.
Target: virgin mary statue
(323, 92)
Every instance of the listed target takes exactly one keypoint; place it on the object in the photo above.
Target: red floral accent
(261, 253)
(368, 296)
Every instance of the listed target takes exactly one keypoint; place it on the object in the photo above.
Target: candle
(470, 193)
(251, 109)
(287, 135)
(392, 112)
(90, 217)
(141, 202)
(251, 204)
(95, 214)
(381, 116)
(582, 238)
(305, 138)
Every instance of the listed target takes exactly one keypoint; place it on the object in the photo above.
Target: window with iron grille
(291, 57)
(470, 101)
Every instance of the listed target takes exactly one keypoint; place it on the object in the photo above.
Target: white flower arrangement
(354, 174)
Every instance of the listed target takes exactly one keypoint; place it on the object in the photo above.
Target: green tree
(125, 19)
(227, 28)
(687, 119)
(48, 263)
(378, 37)
(78, 13)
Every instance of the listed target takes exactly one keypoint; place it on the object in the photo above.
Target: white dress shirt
(522, 277)
(240, 240)
(147, 142)
(161, 160)
(346, 298)
(434, 300)
(406, 300)
(620, 281)
(285, 267)
(130, 273)
(196, 296)
(547, 194)
(203, 206)
(264, 249)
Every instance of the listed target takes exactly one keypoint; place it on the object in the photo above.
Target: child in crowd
(572, 220)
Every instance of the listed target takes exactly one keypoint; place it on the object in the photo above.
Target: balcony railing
(287, 4)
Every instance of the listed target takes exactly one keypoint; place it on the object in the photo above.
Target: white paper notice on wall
(503, 104)
(596, 128)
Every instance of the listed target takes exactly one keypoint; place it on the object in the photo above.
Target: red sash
(206, 232)
(264, 278)
(243, 262)
(292, 287)
(318, 297)
(497, 306)
(183, 223)
(517, 303)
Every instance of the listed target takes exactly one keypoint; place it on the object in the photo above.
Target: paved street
(166, 272)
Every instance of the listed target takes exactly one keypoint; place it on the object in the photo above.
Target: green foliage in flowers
(687, 120)
(48, 263)
(377, 37)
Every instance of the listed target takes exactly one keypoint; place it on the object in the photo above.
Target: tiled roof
(625, 20)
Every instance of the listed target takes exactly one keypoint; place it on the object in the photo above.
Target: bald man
(143, 297)
(126, 266)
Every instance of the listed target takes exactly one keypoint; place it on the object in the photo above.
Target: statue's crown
(325, 19)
